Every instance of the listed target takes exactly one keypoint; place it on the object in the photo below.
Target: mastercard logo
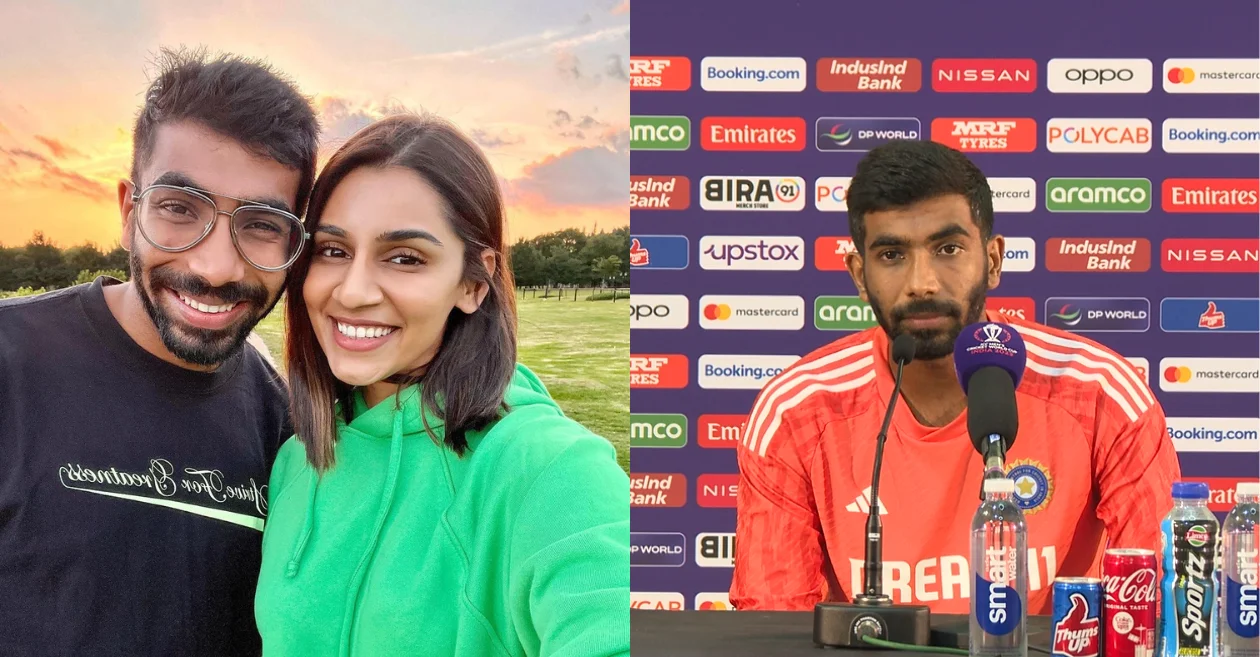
(713, 605)
(1177, 374)
(717, 311)
(1181, 75)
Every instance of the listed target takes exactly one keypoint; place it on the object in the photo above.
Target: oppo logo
(642, 310)
(659, 311)
(1099, 75)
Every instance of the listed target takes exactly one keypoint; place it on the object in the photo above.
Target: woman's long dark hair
(465, 383)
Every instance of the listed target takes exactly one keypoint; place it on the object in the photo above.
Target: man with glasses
(137, 432)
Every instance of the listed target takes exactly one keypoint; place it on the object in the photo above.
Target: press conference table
(754, 634)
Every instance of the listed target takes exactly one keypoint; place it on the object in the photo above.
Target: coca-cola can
(1129, 602)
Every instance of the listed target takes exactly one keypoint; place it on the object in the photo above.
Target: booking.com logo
(1213, 435)
(1218, 136)
(742, 371)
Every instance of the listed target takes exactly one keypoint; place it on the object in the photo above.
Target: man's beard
(933, 344)
(191, 344)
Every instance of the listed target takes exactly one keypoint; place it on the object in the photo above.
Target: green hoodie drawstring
(387, 500)
(308, 524)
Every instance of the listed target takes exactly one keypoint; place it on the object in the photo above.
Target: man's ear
(854, 264)
(475, 292)
(996, 248)
(125, 207)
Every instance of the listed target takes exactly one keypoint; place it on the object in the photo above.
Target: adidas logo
(863, 504)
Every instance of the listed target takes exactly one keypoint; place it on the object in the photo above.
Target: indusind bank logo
(883, 74)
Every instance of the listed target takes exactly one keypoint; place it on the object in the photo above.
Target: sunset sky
(542, 86)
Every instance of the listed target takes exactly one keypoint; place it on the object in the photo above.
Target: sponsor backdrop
(1121, 146)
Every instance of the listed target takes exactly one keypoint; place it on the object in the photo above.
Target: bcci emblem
(1033, 484)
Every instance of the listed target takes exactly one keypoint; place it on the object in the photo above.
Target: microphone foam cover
(903, 349)
(989, 344)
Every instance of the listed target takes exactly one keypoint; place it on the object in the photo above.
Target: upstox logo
(660, 133)
(752, 252)
(1209, 375)
(1098, 195)
(658, 430)
(842, 314)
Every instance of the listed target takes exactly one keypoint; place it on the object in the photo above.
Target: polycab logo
(752, 252)
(1109, 254)
(1210, 315)
(831, 194)
(715, 550)
(1202, 195)
(753, 73)
(1099, 76)
(1020, 255)
(869, 74)
(1210, 375)
(752, 313)
(752, 133)
(1099, 314)
(1211, 135)
(657, 601)
(766, 193)
(986, 135)
(713, 601)
(658, 371)
(1214, 434)
(720, 431)
(658, 311)
(855, 134)
(660, 193)
(740, 372)
(1013, 194)
(659, 251)
(1022, 307)
(1143, 368)
(991, 76)
(658, 490)
(657, 549)
(829, 253)
(660, 74)
(1211, 76)
(717, 491)
(1200, 255)
(1098, 135)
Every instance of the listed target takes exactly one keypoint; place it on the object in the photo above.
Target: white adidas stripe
(771, 393)
(1079, 375)
(1122, 368)
(1077, 359)
(810, 390)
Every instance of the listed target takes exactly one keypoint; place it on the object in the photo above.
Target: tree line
(566, 257)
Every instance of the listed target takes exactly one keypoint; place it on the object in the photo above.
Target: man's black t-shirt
(132, 491)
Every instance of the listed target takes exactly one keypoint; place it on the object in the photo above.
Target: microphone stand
(872, 613)
(994, 460)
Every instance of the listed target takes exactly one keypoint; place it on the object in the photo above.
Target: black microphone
(902, 354)
(872, 614)
(989, 359)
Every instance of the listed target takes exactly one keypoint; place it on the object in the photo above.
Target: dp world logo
(858, 134)
(1099, 314)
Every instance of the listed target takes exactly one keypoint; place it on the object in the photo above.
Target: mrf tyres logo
(658, 371)
(765, 193)
(1098, 195)
(660, 74)
(1109, 254)
(751, 253)
(984, 135)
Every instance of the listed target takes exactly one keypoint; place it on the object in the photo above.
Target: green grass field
(580, 350)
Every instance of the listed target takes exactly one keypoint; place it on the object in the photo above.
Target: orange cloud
(59, 149)
(622, 7)
(51, 176)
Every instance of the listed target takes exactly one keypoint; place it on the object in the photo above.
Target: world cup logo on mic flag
(995, 339)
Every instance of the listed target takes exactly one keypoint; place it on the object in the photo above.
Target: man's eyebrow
(952, 230)
(180, 179)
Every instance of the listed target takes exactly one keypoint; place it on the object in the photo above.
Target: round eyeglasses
(175, 219)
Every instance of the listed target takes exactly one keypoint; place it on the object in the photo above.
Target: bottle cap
(1190, 490)
(1002, 485)
(1251, 488)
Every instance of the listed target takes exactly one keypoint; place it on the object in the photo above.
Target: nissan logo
(643, 310)
(1099, 75)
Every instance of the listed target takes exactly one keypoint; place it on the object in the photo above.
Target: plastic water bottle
(1240, 608)
(999, 566)
(1188, 537)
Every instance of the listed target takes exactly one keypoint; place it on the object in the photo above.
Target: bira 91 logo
(752, 133)
(766, 193)
(660, 193)
(829, 252)
(1201, 195)
(660, 74)
(650, 489)
(991, 76)
(986, 135)
(658, 371)
(869, 74)
(722, 431)
(715, 550)
(717, 491)
(1109, 254)
(1198, 255)
(1022, 307)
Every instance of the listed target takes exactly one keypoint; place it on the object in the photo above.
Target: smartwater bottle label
(1242, 613)
(998, 607)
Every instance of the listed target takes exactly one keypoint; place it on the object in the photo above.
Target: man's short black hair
(904, 172)
(240, 98)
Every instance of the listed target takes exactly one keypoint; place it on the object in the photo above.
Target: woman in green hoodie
(434, 500)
